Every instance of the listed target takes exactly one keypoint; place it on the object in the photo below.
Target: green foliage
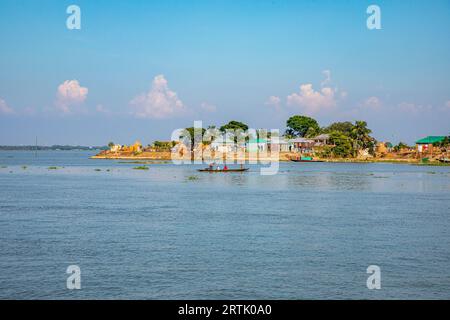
(343, 146)
(326, 152)
(361, 137)
(234, 125)
(164, 145)
(264, 134)
(190, 138)
(53, 168)
(111, 144)
(400, 146)
(344, 127)
(141, 168)
(298, 126)
(443, 144)
(239, 128)
(312, 132)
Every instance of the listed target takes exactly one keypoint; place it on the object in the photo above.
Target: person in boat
(211, 166)
(225, 168)
(218, 168)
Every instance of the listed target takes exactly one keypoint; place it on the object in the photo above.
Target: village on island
(303, 141)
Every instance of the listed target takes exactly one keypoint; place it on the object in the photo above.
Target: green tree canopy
(361, 136)
(111, 144)
(234, 125)
(400, 146)
(343, 146)
(298, 126)
(344, 127)
(164, 144)
(189, 136)
(444, 143)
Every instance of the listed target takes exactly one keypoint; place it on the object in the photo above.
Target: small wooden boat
(221, 170)
(300, 160)
(305, 159)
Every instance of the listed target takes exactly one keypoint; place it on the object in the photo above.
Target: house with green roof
(426, 144)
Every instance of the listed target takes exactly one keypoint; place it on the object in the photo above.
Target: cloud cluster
(159, 102)
(70, 95)
(413, 109)
(373, 103)
(274, 101)
(4, 108)
(327, 80)
(312, 101)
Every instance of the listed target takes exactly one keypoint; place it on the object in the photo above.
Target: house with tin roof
(425, 145)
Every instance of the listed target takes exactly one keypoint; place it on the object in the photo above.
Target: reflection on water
(308, 232)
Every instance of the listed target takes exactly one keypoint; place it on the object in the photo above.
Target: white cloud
(159, 102)
(413, 109)
(69, 95)
(4, 108)
(274, 101)
(372, 103)
(208, 107)
(312, 101)
(327, 80)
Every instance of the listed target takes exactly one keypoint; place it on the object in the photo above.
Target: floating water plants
(141, 168)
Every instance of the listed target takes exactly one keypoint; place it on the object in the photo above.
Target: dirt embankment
(146, 155)
(131, 156)
(282, 156)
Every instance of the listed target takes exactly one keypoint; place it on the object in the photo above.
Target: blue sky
(140, 69)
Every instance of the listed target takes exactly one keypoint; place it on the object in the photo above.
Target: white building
(223, 145)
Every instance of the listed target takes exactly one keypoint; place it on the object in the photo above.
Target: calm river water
(170, 232)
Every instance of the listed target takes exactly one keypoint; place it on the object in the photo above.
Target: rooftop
(430, 140)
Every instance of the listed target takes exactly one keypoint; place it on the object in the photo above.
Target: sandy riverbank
(168, 157)
(283, 156)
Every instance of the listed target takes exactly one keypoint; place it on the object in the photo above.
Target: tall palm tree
(361, 136)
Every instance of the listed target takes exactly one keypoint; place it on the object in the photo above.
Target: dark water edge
(309, 232)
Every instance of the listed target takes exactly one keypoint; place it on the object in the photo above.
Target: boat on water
(305, 159)
(222, 170)
(444, 160)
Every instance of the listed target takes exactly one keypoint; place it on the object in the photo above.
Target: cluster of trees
(232, 125)
(346, 138)
(444, 143)
(164, 145)
(400, 146)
